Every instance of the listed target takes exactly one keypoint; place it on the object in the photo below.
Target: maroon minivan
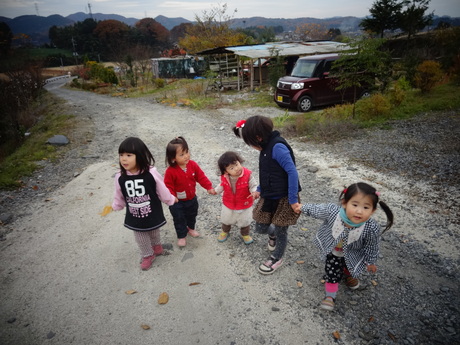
(310, 85)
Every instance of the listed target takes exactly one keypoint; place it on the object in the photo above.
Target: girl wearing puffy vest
(239, 189)
(278, 186)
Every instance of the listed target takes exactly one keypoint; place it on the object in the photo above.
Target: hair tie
(240, 124)
(377, 193)
(345, 191)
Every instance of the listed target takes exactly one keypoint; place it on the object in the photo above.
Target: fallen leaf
(300, 262)
(304, 229)
(370, 319)
(35, 187)
(145, 326)
(392, 337)
(130, 292)
(91, 194)
(336, 335)
(195, 283)
(106, 211)
(299, 284)
(164, 298)
(373, 282)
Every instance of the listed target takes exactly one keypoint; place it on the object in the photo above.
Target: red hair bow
(240, 124)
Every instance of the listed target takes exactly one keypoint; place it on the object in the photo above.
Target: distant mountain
(345, 24)
(5, 19)
(169, 23)
(37, 27)
(80, 16)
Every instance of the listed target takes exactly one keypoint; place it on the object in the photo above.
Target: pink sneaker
(181, 242)
(193, 233)
(147, 262)
(157, 249)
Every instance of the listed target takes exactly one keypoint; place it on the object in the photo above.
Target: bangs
(129, 146)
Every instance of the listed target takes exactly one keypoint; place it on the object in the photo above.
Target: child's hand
(212, 191)
(296, 207)
(255, 195)
(176, 200)
(372, 268)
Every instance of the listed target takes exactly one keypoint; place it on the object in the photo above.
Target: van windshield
(304, 68)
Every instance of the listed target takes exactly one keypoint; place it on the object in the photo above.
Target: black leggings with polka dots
(335, 269)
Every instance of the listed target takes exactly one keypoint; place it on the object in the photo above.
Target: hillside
(37, 27)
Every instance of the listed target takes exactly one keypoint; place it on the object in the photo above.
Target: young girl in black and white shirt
(349, 238)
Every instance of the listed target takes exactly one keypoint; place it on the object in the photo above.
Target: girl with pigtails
(349, 238)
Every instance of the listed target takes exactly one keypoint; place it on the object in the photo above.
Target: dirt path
(66, 269)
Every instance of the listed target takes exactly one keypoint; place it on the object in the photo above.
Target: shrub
(373, 107)
(398, 92)
(455, 70)
(428, 74)
(159, 82)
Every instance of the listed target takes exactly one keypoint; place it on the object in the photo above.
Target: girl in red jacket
(239, 189)
(181, 177)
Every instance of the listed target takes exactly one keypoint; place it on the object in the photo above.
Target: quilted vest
(239, 200)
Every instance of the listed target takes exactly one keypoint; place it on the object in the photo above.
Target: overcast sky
(189, 8)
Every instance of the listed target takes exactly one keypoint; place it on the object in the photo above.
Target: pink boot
(147, 262)
(158, 249)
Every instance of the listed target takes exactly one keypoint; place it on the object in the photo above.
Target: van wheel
(304, 104)
(365, 94)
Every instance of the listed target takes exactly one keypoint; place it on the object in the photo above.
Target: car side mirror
(325, 74)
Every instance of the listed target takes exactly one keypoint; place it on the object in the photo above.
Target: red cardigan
(182, 184)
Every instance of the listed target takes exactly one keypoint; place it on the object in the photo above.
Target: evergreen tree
(412, 18)
(384, 16)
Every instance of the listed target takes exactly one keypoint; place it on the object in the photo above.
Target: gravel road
(66, 269)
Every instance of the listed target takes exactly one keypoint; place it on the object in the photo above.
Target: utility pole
(36, 9)
(89, 9)
(75, 54)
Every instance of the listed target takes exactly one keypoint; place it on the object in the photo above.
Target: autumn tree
(113, 36)
(311, 32)
(212, 30)
(152, 33)
(178, 32)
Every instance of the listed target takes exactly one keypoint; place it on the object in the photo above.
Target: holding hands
(296, 207)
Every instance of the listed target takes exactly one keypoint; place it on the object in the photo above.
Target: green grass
(338, 122)
(25, 160)
(42, 53)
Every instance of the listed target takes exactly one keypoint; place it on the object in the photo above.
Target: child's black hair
(171, 150)
(370, 191)
(144, 158)
(226, 159)
(255, 131)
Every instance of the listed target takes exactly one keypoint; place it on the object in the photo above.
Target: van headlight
(297, 86)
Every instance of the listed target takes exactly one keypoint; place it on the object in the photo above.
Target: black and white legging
(146, 240)
(335, 269)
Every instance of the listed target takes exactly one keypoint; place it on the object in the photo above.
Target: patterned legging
(335, 269)
(146, 240)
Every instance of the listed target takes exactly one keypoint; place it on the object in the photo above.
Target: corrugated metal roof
(283, 48)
